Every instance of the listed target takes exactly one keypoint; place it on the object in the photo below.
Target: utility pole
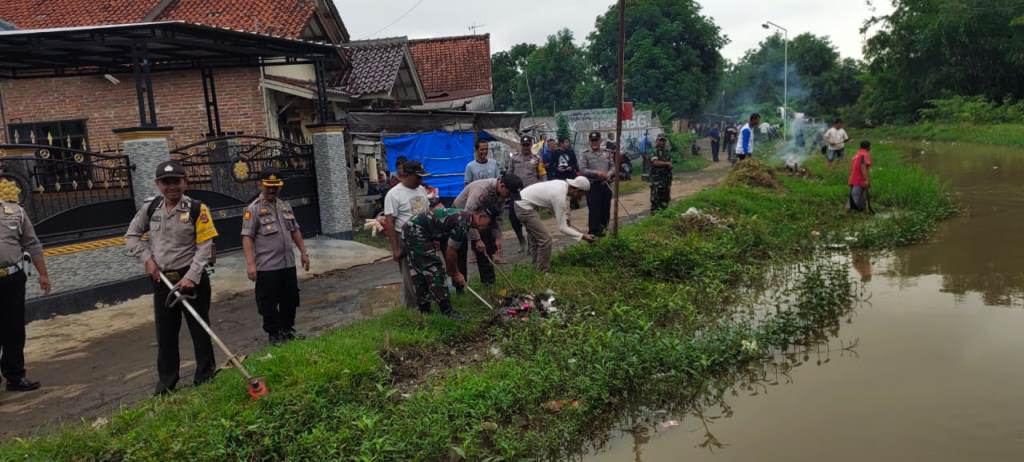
(618, 119)
(526, 73)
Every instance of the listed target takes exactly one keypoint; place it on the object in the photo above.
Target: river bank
(651, 303)
(930, 374)
(995, 134)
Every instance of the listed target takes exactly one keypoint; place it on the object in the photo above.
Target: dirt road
(92, 363)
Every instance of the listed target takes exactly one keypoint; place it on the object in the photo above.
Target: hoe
(257, 388)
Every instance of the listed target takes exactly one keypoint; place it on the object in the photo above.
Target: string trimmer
(257, 388)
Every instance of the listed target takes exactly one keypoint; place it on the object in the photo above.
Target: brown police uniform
(17, 236)
(181, 248)
(270, 225)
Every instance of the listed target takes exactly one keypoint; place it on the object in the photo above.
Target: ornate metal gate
(70, 194)
(222, 173)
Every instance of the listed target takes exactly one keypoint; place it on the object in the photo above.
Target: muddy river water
(937, 373)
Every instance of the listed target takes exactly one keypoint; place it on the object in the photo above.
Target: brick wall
(105, 106)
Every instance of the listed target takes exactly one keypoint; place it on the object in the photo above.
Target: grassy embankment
(651, 303)
(999, 134)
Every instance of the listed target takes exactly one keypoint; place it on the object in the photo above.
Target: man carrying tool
(180, 246)
(661, 175)
(555, 196)
(478, 196)
(269, 230)
(445, 231)
(598, 165)
(17, 237)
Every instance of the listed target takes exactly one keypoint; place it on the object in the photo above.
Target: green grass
(650, 303)
(379, 241)
(998, 134)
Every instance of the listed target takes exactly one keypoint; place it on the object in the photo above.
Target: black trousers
(168, 324)
(714, 150)
(517, 225)
(277, 296)
(599, 203)
(12, 326)
(482, 263)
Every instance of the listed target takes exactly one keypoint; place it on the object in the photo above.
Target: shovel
(257, 388)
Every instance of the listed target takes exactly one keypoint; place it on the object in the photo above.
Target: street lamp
(785, 75)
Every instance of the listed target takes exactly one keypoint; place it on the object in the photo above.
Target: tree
(555, 70)
(509, 87)
(819, 82)
(564, 132)
(931, 49)
(672, 53)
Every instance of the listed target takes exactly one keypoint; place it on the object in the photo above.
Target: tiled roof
(375, 65)
(450, 66)
(44, 14)
(285, 18)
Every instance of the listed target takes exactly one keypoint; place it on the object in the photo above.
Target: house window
(63, 133)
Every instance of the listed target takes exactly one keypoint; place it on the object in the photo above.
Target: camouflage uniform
(422, 236)
(661, 180)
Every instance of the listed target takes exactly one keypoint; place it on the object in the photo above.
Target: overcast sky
(517, 21)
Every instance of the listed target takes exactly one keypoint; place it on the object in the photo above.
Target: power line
(395, 21)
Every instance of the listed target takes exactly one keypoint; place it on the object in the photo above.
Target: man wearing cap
(180, 246)
(598, 165)
(269, 230)
(407, 199)
(661, 175)
(530, 168)
(17, 238)
(436, 231)
(486, 196)
(555, 196)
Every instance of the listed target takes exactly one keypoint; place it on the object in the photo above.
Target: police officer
(598, 165)
(661, 175)
(439, 231)
(180, 246)
(269, 230)
(17, 236)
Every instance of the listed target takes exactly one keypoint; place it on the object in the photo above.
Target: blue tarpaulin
(443, 154)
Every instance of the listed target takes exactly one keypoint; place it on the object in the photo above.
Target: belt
(10, 270)
(175, 275)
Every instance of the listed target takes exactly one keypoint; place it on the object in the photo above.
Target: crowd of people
(172, 235)
(431, 243)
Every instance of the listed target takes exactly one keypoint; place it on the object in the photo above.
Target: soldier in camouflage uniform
(661, 175)
(424, 237)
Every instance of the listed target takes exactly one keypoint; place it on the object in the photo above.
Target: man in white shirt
(407, 199)
(836, 139)
(553, 195)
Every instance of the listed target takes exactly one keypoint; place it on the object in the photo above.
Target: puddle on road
(934, 373)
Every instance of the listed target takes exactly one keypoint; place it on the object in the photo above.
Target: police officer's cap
(595, 136)
(271, 177)
(169, 169)
(414, 167)
(526, 139)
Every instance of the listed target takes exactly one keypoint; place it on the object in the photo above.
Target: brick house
(278, 101)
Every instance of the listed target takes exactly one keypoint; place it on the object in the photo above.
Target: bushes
(973, 110)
